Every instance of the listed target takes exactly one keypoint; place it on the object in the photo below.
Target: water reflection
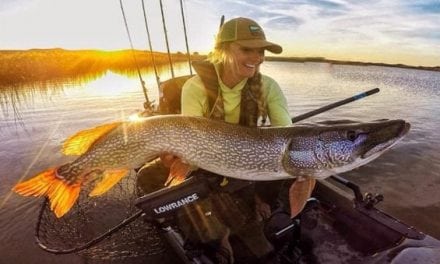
(21, 97)
(50, 112)
(36, 75)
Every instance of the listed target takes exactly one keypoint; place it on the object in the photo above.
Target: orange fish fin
(299, 192)
(38, 185)
(61, 195)
(178, 172)
(79, 143)
(109, 179)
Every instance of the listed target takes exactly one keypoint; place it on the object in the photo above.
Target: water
(36, 118)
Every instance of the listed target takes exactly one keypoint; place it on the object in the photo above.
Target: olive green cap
(246, 33)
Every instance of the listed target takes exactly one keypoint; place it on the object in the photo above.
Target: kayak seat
(170, 94)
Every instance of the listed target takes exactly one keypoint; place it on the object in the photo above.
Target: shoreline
(33, 65)
(356, 63)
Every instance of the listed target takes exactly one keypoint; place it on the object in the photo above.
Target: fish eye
(351, 135)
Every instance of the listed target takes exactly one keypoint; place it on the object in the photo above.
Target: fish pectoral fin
(109, 179)
(61, 195)
(299, 192)
(79, 143)
(178, 172)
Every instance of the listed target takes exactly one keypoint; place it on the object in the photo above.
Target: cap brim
(260, 43)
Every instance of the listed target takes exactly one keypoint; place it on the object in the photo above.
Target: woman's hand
(168, 159)
(178, 169)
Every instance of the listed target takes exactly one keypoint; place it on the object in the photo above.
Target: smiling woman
(229, 87)
(240, 93)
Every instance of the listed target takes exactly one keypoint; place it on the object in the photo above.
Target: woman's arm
(276, 104)
(193, 101)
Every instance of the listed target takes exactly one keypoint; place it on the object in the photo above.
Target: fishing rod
(334, 105)
(222, 21)
(186, 37)
(166, 39)
(150, 45)
(148, 104)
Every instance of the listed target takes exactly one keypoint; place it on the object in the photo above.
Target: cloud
(319, 27)
(14, 6)
(381, 21)
(283, 22)
(425, 7)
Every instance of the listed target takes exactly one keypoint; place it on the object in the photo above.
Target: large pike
(256, 154)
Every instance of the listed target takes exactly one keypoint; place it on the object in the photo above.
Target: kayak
(338, 225)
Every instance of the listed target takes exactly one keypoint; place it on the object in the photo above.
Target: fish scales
(274, 153)
(206, 145)
(235, 151)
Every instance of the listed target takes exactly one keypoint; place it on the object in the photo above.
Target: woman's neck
(229, 77)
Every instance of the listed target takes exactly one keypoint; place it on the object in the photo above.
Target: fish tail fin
(109, 179)
(38, 185)
(61, 195)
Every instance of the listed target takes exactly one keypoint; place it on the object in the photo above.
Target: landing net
(103, 227)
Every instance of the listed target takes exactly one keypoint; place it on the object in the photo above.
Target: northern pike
(258, 154)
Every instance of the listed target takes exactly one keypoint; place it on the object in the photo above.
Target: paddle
(334, 105)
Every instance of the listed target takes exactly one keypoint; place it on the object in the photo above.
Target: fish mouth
(387, 143)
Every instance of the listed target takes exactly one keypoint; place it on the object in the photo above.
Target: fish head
(338, 146)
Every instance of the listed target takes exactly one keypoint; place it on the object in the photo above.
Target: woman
(230, 87)
(236, 58)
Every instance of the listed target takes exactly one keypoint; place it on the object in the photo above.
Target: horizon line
(267, 57)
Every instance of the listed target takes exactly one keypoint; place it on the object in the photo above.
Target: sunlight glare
(109, 86)
(136, 117)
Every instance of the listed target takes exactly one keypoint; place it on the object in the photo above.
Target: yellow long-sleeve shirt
(195, 100)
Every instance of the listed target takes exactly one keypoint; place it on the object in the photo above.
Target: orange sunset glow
(395, 32)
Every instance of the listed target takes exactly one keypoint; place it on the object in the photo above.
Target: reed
(18, 67)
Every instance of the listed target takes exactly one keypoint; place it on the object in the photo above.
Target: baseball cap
(246, 33)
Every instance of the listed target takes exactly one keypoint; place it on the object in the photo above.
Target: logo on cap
(255, 30)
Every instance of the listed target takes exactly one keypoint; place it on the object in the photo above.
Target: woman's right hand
(168, 159)
(178, 169)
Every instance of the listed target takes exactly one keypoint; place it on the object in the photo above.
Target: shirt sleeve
(193, 101)
(278, 111)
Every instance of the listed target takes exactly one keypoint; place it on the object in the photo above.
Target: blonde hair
(220, 53)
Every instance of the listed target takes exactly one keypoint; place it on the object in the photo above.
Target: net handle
(89, 244)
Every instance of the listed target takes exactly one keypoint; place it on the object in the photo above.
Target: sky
(384, 31)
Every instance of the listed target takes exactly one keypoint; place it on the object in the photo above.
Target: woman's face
(244, 62)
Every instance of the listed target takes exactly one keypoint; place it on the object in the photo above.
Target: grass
(18, 67)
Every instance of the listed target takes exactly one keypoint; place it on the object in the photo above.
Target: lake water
(35, 119)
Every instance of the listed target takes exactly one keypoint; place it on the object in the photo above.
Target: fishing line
(34, 160)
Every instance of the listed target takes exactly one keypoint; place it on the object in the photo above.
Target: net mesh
(93, 217)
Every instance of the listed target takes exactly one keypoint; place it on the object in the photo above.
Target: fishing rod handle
(334, 105)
